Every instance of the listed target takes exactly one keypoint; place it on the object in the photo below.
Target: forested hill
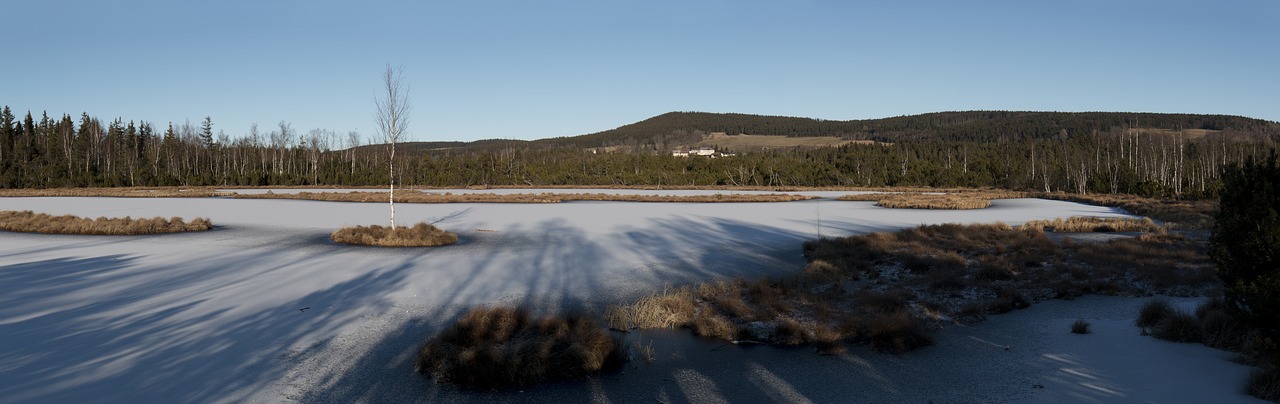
(1147, 154)
(676, 129)
(684, 127)
(475, 146)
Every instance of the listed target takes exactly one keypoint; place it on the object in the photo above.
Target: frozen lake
(266, 307)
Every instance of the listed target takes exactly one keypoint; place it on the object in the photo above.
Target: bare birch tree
(393, 119)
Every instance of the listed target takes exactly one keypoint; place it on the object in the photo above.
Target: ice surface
(265, 307)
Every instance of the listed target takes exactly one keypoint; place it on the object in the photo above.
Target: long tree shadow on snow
(564, 270)
(130, 345)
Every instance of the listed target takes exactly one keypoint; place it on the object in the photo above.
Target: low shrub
(30, 222)
(1080, 327)
(1264, 383)
(493, 347)
(1210, 306)
(1178, 326)
(418, 235)
(1220, 329)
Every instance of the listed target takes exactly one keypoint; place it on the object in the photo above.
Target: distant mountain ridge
(673, 129)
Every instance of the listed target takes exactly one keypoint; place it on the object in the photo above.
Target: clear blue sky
(526, 70)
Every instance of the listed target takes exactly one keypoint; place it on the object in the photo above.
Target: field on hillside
(760, 142)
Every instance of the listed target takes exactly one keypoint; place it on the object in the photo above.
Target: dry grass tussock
(126, 192)
(493, 347)
(1090, 224)
(1192, 214)
(418, 235)
(421, 197)
(30, 222)
(973, 199)
(1080, 327)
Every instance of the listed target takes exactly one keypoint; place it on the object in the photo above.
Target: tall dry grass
(1090, 224)
(662, 310)
(123, 192)
(494, 347)
(415, 197)
(1192, 214)
(418, 235)
(31, 222)
(968, 199)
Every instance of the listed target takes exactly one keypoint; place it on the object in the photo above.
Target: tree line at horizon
(66, 152)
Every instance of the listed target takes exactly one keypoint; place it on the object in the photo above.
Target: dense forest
(1140, 153)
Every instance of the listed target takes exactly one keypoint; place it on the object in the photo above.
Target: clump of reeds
(1080, 327)
(30, 222)
(493, 347)
(662, 310)
(1091, 224)
(1152, 313)
(418, 235)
